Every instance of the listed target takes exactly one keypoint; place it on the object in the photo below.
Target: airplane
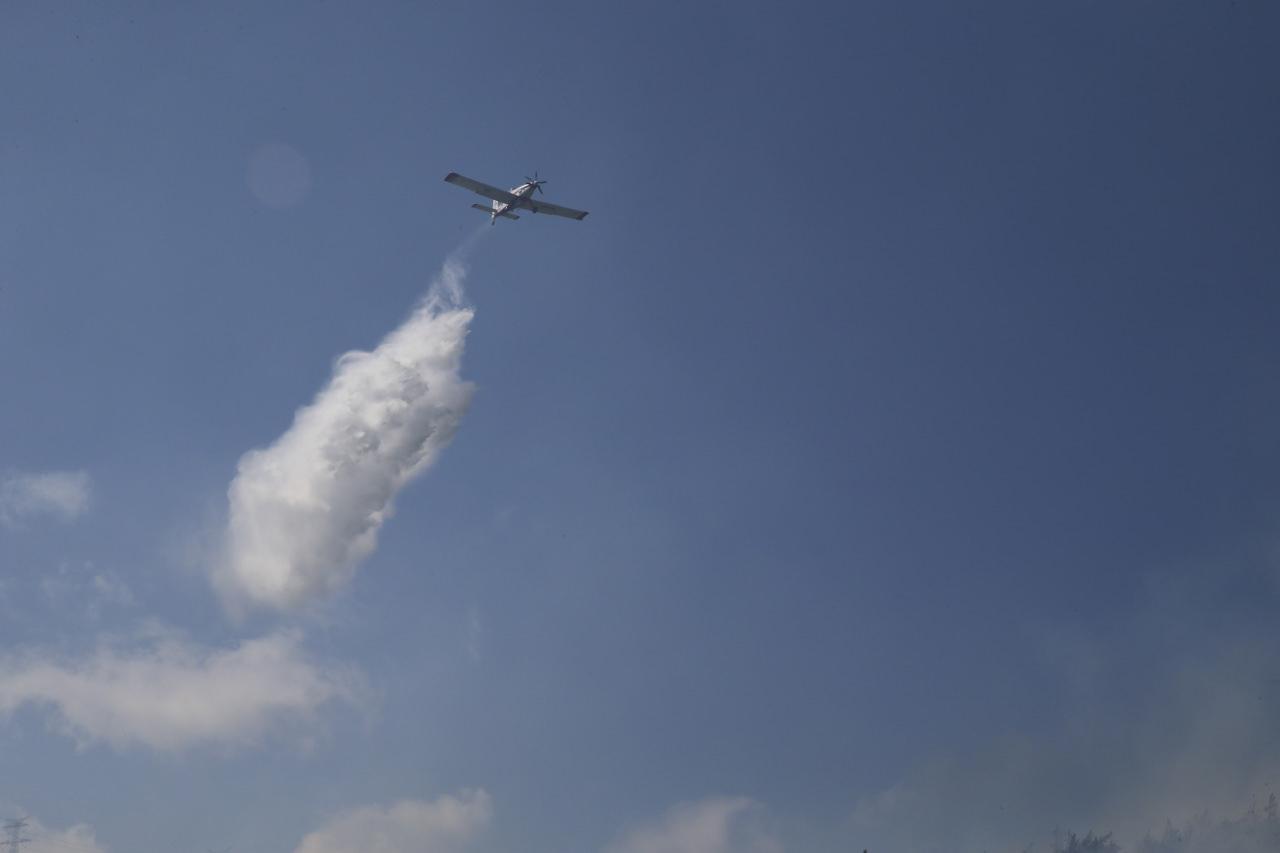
(517, 198)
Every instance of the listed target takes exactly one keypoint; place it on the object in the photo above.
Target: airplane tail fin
(489, 210)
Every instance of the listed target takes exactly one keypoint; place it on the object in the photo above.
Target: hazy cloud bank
(1185, 730)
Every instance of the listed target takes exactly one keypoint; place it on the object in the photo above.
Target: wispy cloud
(444, 825)
(716, 825)
(306, 510)
(85, 590)
(166, 693)
(59, 494)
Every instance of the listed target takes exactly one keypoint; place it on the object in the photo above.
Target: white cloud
(78, 838)
(168, 694)
(716, 825)
(306, 510)
(409, 826)
(60, 494)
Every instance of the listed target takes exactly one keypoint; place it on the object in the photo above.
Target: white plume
(306, 510)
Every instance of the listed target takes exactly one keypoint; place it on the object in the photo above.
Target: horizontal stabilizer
(484, 208)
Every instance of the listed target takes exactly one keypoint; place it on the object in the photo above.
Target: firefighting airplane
(517, 198)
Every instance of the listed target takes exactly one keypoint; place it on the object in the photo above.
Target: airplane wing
(553, 209)
(480, 189)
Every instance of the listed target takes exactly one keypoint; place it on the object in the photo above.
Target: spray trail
(306, 510)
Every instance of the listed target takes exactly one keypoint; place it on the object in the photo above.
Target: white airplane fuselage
(502, 208)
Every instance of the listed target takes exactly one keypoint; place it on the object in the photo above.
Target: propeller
(537, 184)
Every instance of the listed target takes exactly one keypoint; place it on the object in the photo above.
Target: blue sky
(889, 458)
